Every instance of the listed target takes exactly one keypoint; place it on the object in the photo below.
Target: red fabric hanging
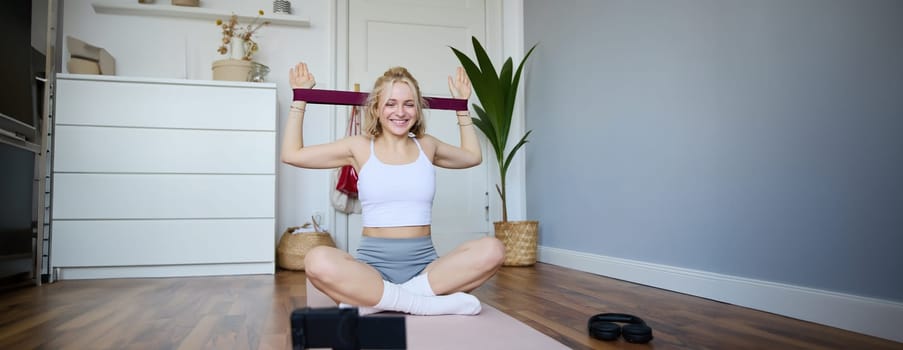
(347, 182)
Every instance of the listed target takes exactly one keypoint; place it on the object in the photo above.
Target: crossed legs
(346, 280)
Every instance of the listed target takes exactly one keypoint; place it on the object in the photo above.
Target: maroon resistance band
(336, 97)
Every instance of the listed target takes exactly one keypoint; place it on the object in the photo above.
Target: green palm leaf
(489, 82)
(519, 144)
(512, 92)
(504, 87)
(488, 129)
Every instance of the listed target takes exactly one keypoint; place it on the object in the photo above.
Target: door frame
(504, 38)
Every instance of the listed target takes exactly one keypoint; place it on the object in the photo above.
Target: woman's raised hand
(459, 86)
(301, 78)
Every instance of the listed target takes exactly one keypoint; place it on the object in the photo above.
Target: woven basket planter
(294, 246)
(520, 239)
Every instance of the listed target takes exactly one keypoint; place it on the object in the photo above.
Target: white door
(417, 34)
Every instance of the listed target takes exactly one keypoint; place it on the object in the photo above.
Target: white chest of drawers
(162, 177)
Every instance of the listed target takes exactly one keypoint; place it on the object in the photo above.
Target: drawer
(140, 150)
(162, 196)
(162, 242)
(150, 104)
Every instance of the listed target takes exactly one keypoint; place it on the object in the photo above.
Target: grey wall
(761, 139)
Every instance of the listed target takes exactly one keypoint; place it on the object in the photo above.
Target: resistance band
(351, 98)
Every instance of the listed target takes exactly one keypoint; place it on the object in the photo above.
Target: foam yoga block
(491, 329)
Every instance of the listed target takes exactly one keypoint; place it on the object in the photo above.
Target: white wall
(164, 47)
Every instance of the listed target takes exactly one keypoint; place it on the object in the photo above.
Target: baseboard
(74, 273)
(875, 317)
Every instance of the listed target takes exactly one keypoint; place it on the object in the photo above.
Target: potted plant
(497, 92)
(238, 42)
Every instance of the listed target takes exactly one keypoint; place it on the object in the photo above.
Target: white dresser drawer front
(162, 196)
(131, 150)
(160, 242)
(188, 106)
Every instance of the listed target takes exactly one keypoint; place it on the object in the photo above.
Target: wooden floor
(252, 312)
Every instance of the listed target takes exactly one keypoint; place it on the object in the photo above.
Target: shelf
(166, 10)
(165, 81)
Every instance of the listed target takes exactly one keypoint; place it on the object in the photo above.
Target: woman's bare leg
(466, 267)
(341, 277)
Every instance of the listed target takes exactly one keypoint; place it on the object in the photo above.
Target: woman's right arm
(325, 156)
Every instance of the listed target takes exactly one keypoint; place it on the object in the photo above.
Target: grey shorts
(397, 259)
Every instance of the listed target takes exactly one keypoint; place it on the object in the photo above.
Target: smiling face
(399, 109)
(395, 105)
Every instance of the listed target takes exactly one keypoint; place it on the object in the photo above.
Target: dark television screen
(17, 100)
(16, 197)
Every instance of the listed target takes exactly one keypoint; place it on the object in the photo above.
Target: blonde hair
(382, 86)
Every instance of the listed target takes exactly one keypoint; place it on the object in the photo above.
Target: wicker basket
(520, 239)
(294, 246)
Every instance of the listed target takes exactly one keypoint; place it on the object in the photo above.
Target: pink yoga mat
(491, 329)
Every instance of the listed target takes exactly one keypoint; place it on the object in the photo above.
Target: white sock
(395, 298)
(419, 285)
(361, 310)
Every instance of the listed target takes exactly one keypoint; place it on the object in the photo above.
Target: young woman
(396, 267)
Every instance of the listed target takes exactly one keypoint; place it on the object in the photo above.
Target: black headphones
(601, 327)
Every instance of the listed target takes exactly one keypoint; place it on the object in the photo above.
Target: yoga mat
(491, 329)
(336, 97)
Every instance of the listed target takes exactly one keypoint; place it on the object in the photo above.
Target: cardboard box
(82, 66)
(82, 51)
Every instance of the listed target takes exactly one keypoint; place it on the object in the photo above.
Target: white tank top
(396, 195)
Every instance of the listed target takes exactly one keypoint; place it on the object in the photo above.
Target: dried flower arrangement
(233, 31)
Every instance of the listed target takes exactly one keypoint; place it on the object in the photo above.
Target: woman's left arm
(469, 154)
